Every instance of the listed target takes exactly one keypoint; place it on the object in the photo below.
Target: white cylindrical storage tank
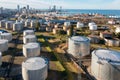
(117, 30)
(79, 25)
(28, 32)
(17, 26)
(9, 24)
(79, 46)
(35, 68)
(105, 64)
(7, 36)
(0, 58)
(93, 27)
(2, 23)
(31, 49)
(33, 23)
(91, 23)
(29, 39)
(27, 23)
(3, 45)
(67, 24)
(54, 31)
(112, 42)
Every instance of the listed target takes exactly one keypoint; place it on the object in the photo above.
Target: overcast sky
(66, 4)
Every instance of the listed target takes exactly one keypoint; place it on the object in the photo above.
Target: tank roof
(28, 31)
(34, 63)
(79, 38)
(6, 34)
(108, 55)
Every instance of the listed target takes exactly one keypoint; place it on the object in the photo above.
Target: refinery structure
(50, 44)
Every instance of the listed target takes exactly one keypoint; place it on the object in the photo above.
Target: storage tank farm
(31, 50)
(78, 46)
(35, 68)
(105, 64)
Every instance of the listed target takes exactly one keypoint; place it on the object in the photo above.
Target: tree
(118, 35)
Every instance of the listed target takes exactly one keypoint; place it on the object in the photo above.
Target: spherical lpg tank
(93, 27)
(0, 58)
(67, 24)
(7, 36)
(9, 24)
(34, 68)
(105, 64)
(79, 46)
(28, 32)
(31, 49)
(29, 39)
(17, 26)
(3, 45)
(79, 25)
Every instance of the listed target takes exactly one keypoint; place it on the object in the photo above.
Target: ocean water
(90, 11)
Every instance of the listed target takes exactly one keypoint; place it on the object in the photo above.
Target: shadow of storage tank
(105, 64)
(79, 46)
(35, 68)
